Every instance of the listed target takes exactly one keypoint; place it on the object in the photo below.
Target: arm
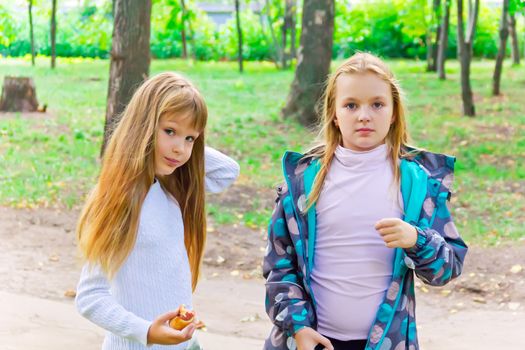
(287, 303)
(95, 302)
(221, 171)
(439, 251)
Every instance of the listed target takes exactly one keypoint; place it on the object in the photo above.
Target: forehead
(185, 120)
(361, 86)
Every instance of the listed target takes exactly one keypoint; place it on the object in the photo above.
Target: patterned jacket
(436, 258)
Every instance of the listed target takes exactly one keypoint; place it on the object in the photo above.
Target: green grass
(52, 160)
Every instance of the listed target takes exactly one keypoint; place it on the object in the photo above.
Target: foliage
(392, 28)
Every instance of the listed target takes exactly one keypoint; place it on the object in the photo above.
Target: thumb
(167, 316)
(324, 341)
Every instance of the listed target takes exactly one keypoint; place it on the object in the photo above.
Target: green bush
(390, 28)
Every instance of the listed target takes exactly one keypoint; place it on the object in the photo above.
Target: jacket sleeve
(287, 303)
(439, 251)
(95, 302)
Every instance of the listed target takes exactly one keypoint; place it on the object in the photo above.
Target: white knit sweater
(156, 276)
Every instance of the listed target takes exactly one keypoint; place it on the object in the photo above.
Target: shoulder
(436, 165)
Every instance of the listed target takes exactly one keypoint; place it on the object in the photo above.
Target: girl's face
(364, 110)
(175, 139)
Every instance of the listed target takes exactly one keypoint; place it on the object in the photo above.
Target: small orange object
(184, 318)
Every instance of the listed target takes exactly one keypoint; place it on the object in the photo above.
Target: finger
(394, 244)
(187, 332)
(387, 230)
(386, 222)
(324, 341)
(390, 237)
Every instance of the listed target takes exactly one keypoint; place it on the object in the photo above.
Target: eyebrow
(351, 98)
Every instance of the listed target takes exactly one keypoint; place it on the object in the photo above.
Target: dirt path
(484, 309)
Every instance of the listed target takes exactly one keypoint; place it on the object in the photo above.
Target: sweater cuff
(139, 329)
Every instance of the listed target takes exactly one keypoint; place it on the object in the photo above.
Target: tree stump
(18, 95)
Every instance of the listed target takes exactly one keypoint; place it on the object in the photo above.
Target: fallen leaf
(251, 318)
(234, 273)
(479, 300)
(220, 260)
(70, 293)
(516, 269)
(446, 292)
(54, 258)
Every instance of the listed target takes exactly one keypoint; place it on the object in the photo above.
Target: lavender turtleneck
(352, 265)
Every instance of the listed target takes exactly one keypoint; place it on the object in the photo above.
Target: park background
(50, 159)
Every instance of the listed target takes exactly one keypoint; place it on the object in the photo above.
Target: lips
(172, 162)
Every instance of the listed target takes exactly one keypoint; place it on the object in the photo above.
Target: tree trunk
(277, 45)
(503, 35)
(428, 41)
(31, 35)
(514, 38)
(130, 57)
(53, 34)
(183, 30)
(287, 26)
(239, 35)
(443, 41)
(18, 95)
(432, 59)
(313, 61)
(293, 36)
(465, 54)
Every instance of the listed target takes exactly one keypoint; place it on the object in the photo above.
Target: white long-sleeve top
(352, 266)
(156, 277)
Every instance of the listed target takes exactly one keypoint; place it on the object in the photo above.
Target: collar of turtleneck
(362, 160)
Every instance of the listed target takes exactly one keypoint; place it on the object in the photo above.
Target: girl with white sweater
(143, 229)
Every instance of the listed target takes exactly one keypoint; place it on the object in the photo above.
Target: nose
(364, 115)
(177, 145)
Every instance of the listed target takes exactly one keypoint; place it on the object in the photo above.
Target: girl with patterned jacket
(357, 217)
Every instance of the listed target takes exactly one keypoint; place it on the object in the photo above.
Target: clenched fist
(396, 233)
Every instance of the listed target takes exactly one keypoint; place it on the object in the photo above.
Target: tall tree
(432, 46)
(514, 39)
(183, 29)
(278, 54)
(515, 7)
(239, 35)
(313, 61)
(443, 40)
(465, 52)
(503, 35)
(130, 57)
(288, 26)
(31, 35)
(53, 33)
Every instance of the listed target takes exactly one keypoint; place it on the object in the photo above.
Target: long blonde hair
(107, 228)
(330, 136)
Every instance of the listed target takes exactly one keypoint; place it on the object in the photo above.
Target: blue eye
(169, 132)
(190, 139)
(351, 106)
